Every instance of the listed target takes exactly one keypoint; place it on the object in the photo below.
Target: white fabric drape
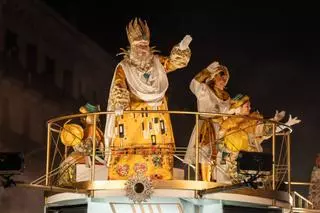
(151, 90)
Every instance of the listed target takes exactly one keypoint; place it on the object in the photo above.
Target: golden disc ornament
(71, 134)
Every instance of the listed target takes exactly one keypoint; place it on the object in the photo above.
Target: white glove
(184, 44)
(279, 115)
(118, 111)
(292, 121)
(213, 67)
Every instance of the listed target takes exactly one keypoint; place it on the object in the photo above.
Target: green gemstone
(146, 75)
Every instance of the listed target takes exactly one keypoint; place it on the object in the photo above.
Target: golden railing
(299, 202)
(281, 170)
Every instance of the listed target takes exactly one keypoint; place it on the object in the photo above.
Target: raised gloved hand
(279, 115)
(292, 121)
(184, 44)
(118, 110)
(213, 67)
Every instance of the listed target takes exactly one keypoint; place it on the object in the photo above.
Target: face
(220, 80)
(141, 48)
(245, 108)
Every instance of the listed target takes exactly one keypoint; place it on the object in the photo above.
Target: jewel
(146, 75)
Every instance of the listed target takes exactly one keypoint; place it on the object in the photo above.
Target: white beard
(142, 62)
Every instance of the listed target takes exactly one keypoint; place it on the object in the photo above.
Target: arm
(179, 56)
(202, 76)
(264, 131)
(198, 86)
(177, 59)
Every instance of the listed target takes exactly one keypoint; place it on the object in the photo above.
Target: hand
(213, 67)
(184, 44)
(292, 121)
(279, 115)
(118, 111)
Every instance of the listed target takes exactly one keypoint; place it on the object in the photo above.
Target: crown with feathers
(138, 30)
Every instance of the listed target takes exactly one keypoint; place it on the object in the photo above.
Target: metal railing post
(289, 161)
(93, 170)
(273, 156)
(48, 152)
(197, 148)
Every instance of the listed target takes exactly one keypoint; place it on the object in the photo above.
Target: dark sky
(271, 50)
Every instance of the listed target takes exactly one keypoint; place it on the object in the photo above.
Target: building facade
(47, 66)
(47, 69)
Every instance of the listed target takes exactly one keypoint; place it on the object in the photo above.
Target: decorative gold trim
(157, 184)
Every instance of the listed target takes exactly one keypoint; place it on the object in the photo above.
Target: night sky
(271, 51)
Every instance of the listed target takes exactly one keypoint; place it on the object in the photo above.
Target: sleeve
(119, 95)
(263, 130)
(198, 85)
(178, 59)
(229, 123)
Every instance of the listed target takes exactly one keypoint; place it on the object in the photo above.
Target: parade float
(134, 165)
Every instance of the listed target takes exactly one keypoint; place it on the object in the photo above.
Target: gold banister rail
(55, 127)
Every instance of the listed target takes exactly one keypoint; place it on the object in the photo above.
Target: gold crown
(138, 30)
